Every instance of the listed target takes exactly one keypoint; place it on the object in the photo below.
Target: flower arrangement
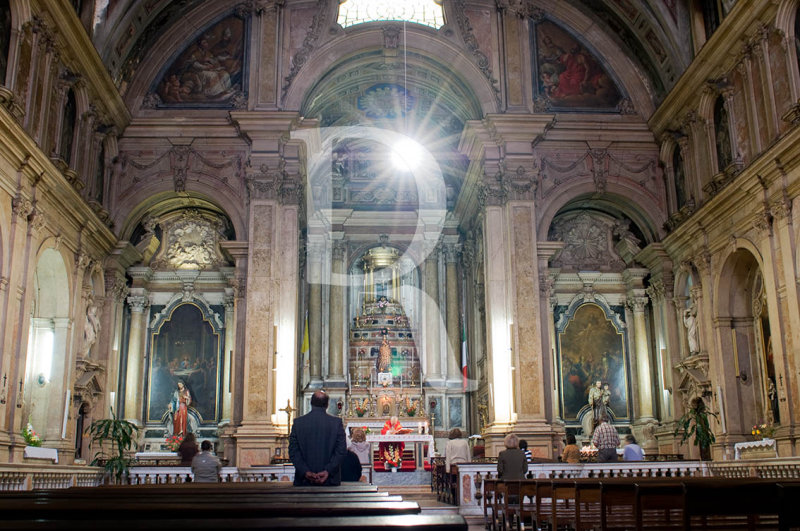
(762, 431)
(361, 408)
(392, 456)
(31, 437)
(366, 430)
(410, 408)
(173, 442)
(383, 302)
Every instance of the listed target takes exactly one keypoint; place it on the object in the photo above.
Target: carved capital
(116, 287)
(339, 250)
(451, 252)
(782, 209)
(656, 290)
(138, 303)
(36, 219)
(637, 303)
(762, 222)
(239, 285)
(82, 261)
(21, 207)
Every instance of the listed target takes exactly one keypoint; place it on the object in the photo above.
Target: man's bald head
(319, 399)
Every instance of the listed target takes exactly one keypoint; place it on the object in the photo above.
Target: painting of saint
(568, 75)
(592, 351)
(209, 70)
(184, 372)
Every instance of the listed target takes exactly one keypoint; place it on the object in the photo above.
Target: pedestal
(763, 449)
(35, 452)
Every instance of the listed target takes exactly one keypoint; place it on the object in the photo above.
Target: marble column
(315, 311)
(453, 336)
(432, 317)
(133, 375)
(643, 369)
(230, 340)
(336, 343)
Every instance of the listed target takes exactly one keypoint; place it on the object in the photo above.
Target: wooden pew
(489, 494)
(734, 502)
(345, 523)
(152, 509)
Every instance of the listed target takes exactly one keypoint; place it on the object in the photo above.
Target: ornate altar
(382, 352)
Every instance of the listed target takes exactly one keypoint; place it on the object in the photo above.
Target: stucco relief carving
(191, 241)
(301, 56)
(180, 162)
(588, 242)
(506, 185)
(561, 166)
(465, 27)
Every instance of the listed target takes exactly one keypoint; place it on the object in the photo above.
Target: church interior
(462, 213)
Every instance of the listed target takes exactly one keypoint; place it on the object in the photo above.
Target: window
(5, 38)
(68, 128)
(680, 177)
(723, 135)
(425, 12)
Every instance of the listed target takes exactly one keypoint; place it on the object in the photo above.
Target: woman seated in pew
(457, 450)
(632, 451)
(571, 453)
(511, 463)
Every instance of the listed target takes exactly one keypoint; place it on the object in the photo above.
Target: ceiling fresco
(654, 33)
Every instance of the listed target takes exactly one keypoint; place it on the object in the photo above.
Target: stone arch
(739, 369)
(637, 205)
(786, 22)
(154, 198)
(166, 46)
(674, 162)
(48, 355)
(365, 38)
(20, 15)
(608, 49)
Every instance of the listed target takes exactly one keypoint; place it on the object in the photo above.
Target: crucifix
(288, 410)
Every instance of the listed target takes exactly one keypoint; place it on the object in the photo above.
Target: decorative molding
(465, 27)
(518, 8)
(391, 36)
(301, 56)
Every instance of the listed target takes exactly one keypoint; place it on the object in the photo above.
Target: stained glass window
(426, 12)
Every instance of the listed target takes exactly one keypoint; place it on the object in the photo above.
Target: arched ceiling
(655, 33)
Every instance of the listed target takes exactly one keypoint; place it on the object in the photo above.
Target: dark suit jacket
(512, 464)
(317, 443)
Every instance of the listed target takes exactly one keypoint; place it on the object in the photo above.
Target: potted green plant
(122, 436)
(695, 423)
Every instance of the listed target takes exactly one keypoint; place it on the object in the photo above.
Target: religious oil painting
(210, 70)
(184, 372)
(569, 76)
(591, 348)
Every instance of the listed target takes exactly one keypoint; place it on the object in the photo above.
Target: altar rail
(23, 476)
(146, 475)
(470, 496)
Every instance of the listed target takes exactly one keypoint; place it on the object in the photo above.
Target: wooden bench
(361, 523)
(151, 509)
